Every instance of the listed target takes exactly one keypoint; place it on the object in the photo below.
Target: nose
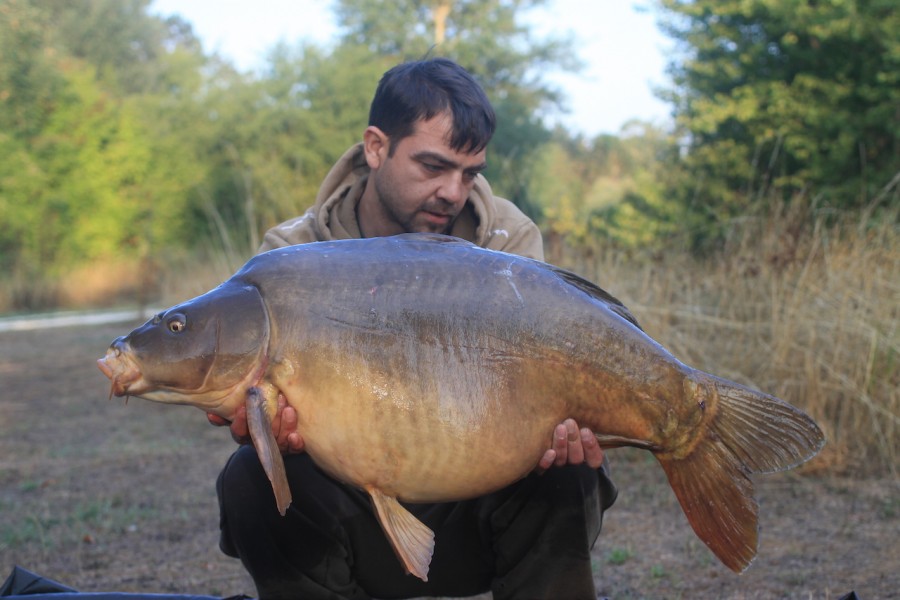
(454, 188)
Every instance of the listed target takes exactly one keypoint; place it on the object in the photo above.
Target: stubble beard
(414, 222)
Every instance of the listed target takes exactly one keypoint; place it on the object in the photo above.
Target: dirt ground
(104, 496)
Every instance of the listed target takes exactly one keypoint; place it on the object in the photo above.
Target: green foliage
(276, 135)
(121, 139)
(619, 556)
(786, 97)
(87, 175)
(116, 37)
(29, 83)
(607, 188)
(488, 39)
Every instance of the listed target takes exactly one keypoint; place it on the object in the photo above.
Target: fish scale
(423, 368)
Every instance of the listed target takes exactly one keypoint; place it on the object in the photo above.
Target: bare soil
(104, 496)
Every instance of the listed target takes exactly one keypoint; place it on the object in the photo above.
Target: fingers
(546, 461)
(289, 439)
(573, 442)
(559, 450)
(217, 420)
(561, 445)
(567, 444)
(593, 453)
(295, 443)
(573, 447)
(288, 421)
(240, 430)
(277, 419)
(284, 427)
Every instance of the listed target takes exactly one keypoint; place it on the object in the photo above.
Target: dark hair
(426, 88)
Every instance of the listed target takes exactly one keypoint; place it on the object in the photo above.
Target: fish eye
(176, 323)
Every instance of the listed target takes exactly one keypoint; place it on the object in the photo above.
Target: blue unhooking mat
(22, 584)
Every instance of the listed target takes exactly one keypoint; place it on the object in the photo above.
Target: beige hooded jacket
(487, 220)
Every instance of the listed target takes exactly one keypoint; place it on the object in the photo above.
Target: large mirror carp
(426, 369)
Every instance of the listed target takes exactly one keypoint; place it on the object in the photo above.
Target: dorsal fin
(594, 291)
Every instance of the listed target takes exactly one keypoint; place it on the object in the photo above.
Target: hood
(335, 207)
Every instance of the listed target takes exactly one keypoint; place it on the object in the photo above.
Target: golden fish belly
(455, 408)
(426, 369)
(422, 437)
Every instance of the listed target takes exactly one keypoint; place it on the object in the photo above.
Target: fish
(424, 368)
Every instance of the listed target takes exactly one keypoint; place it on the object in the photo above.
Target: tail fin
(749, 433)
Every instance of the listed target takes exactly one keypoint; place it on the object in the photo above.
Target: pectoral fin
(267, 448)
(412, 540)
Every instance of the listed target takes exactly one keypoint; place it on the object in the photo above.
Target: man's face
(422, 186)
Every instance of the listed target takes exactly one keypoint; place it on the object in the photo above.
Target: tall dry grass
(803, 306)
(799, 304)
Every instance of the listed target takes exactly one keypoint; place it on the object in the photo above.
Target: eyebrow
(446, 162)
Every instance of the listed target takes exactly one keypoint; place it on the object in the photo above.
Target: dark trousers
(530, 540)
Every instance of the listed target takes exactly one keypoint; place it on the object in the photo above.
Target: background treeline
(756, 235)
(122, 138)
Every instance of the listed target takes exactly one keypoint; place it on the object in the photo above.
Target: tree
(607, 187)
(785, 96)
(126, 45)
(276, 134)
(488, 39)
(90, 167)
(29, 80)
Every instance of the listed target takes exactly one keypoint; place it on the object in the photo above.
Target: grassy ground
(106, 496)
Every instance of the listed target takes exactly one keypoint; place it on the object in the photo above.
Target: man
(416, 170)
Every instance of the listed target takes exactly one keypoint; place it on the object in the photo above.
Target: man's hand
(572, 447)
(284, 426)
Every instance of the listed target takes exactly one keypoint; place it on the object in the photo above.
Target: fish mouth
(122, 372)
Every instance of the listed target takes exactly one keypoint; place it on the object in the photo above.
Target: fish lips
(122, 372)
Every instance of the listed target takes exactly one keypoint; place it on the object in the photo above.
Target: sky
(623, 50)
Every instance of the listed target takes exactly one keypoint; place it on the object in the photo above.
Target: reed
(800, 303)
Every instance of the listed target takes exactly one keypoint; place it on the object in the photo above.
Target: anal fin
(267, 448)
(411, 539)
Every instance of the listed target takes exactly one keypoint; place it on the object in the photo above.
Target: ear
(376, 144)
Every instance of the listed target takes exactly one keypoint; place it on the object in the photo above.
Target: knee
(242, 462)
(575, 497)
(582, 483)
(242, 474)
(243, 485)
(570, 481)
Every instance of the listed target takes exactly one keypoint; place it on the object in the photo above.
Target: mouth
(121, 372)
(437, 219)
